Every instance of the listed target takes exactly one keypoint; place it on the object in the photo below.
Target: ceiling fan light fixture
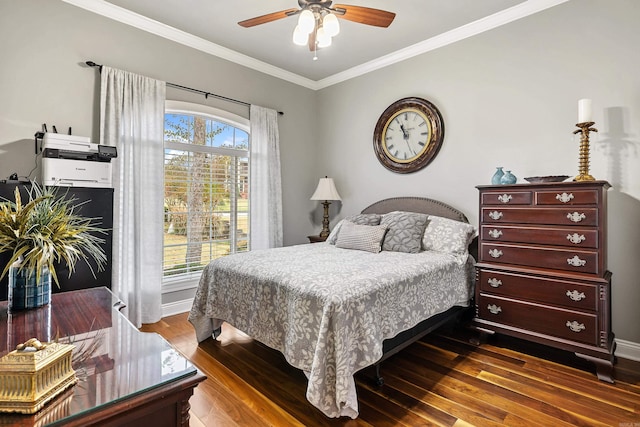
(324, 39)
(331, 25)
(306, 21)
(300, 37)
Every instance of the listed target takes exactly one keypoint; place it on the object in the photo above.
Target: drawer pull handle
(495, 309)
(495, 233)
(576, 217)
(505, 198)
(494, 283)
(495, 253)
(576, 296)
(564, 197)
(576, 262)
(576, 238)
(495, 215)
(575, 326)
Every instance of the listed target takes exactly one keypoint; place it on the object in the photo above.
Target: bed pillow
(447, 235)
(361, 219)
(405, 231)
(334, 233)
(361, 237)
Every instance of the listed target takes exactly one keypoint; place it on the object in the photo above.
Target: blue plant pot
(25, 292)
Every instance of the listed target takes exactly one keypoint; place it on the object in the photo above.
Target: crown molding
(141, 22)
(468, 30)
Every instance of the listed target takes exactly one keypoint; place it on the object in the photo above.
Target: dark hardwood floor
(441, 380)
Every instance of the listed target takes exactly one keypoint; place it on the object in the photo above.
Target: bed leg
(217, 332)
(379, 379)
(481, 337)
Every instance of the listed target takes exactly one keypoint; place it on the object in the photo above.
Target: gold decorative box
(33, 374)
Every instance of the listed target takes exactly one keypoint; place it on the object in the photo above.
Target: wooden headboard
(422, 205)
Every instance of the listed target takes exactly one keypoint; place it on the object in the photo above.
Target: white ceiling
(211, 26)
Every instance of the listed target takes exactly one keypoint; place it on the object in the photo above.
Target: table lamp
(326, 191)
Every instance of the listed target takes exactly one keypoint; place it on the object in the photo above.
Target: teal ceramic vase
(495, 179)
(508, 178)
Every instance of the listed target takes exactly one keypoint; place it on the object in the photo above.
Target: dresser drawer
(581, 296)
(507, 198)
(580, 261)
(550, 216)
(555, 321)
(557, 236)
(567, 197)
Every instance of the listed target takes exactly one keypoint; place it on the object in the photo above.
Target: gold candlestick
(583, 167)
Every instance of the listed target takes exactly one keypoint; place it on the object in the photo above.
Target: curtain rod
(190, 89)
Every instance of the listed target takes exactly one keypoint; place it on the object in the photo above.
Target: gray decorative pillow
(405, 231)
(361, 237)
(447, 235)
(361, 219)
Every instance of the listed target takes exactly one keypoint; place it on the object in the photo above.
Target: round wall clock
(408, 135)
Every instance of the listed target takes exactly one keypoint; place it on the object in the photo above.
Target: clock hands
(408, 129)
(405, 135)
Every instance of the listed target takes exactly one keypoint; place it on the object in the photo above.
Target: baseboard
(176, 307)
(625, 349)
(628, 350)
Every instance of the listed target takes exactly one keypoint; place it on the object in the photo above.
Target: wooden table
(126, 377)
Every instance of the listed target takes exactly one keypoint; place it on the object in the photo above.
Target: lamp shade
(324, 39)
(306, 21)
(326, 190)
(331, 25)
(300, 37)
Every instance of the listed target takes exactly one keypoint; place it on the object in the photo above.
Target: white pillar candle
(584, 111)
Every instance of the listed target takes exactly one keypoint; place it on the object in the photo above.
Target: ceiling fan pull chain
(315, 43)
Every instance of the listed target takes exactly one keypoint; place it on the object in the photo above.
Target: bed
(336, 307)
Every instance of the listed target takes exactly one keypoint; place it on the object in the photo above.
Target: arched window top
(218, 129)
(205, 110)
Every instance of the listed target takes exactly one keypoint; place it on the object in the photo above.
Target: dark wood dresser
(542, 271)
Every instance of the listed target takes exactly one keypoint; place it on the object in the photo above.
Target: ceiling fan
(317, 22)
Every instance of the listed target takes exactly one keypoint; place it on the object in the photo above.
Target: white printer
(70, 160)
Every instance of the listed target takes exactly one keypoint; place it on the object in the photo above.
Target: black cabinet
(96, 203)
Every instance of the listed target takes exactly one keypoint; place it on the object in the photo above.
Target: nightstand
(316, 239)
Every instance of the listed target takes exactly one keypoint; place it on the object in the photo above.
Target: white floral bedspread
(328, 309)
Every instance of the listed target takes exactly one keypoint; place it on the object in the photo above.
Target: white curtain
(265, 189)
(132, 119)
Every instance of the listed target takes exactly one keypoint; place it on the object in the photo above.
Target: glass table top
(113, 360)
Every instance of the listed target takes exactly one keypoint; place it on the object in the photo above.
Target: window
(206, 187)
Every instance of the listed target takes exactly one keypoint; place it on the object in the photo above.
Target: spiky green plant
(47, 230)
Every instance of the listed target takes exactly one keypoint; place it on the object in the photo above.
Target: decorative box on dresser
(542, 271)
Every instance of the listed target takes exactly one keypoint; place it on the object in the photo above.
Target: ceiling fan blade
(269, 17)
(365, 15)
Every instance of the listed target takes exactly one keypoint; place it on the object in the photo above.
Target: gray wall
(509, 98)
(43, 79)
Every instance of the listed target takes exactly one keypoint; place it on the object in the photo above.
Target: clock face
(408, 135)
